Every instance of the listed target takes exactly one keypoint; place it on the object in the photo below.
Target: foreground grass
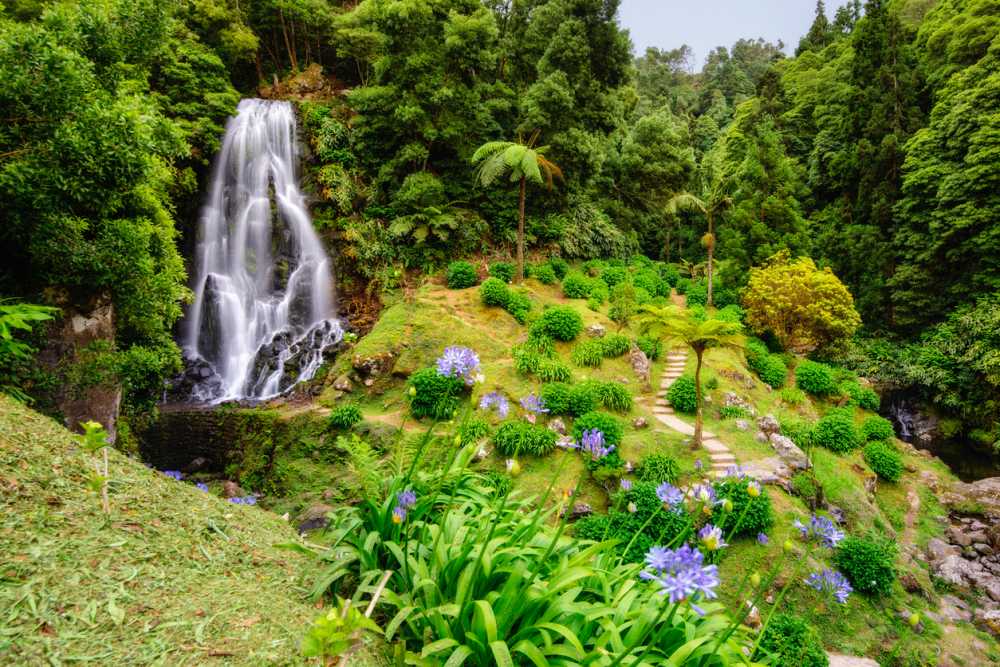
(173, 576)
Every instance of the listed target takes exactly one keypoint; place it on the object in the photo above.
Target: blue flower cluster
(244, 500)
(405, 500)
(670, 495)
(174, 474)
(592, 443)
(459, 362)
(681, 574)
(820, 529)
(534, 404)
(832, 583)
(495, 399)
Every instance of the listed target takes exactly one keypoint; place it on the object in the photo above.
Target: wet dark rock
(231, 489)
(197, 465)
(314, 518)
(768, 424)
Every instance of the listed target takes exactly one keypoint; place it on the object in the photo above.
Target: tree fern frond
(490, 149)
(491, 169)
(550, 168)
(529, 166)
(514, 154)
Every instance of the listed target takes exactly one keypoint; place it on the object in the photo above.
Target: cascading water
(264, 293)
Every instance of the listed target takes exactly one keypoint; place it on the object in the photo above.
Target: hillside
(174, 575)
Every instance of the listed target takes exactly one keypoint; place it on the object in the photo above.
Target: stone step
(663, 403)
(723, 460)
(662, 411)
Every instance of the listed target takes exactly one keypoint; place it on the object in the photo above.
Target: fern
(363, 464)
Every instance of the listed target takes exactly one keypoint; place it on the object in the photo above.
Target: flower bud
(787, 546)
(513, 467)
(727, 505)
(458, 440)
(413, 392)
(755, 579)
(914, 620)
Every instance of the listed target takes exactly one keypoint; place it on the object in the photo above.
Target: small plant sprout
(95, 439)
(342, 630)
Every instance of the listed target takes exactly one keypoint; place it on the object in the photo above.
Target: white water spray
(264, 293)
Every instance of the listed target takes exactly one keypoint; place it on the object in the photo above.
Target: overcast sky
(705, 24)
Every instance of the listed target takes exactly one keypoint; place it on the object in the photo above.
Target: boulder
(742, 425)
(938, 549)
(314, 517)
(789, 452)
(373, 366)
(768, 471)
(639, 423)
(768, 424)
(558, 426)
(231, 489)
(984, 493)
(989, 620)
(596, 330)
(640, 365)
(344, 384)
(840, 660)
(581, 510)
(761, 437)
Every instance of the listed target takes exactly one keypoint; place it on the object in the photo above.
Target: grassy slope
(172, 577)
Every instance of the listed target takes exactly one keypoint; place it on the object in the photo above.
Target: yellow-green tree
(805, 307)
(674, 326)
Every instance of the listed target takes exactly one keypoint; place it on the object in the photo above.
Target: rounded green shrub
(599, 292)
(615, 397)
(755, 351)
(682, 285)
(518, 305)
(494, 292)
(877, 428)
(869, 564)
(583, 398)
(814, 378)
(731, 313)
(553, 370)
(576, 286)
(884, 460)
(865, 398)
(615, 345)
(836, 432)
(556, 396)
(696, 294)
(613, 275)
(461, 275)
(593, 267)
(562, 323)
(474, 430)
(751, 515)
(503, 271)
(670, 274)
(652, 347)
(560, 266)
(594, 305)
(539, 341)
(648, 524)
(793, 396)
(682, 395)
(799, 430)
(519, 438)
(544, 274)
(789, 641)
(344, 417)
(610, 426)
(588, 353)
(658, 468)
(526, 361)
(435, 395)
(773, 371)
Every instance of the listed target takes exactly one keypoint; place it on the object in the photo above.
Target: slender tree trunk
(696, 442)
(288, 44)
(520, 234)
(711, 252)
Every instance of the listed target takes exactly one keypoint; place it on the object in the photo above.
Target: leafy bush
(553, 370)
(474, 430)
(751, 515)
(806, 486)
(435, 395)
(799, 430)
(576, 286)
(649, 280)
(539, 341)
(599, 292)
(344, 417)
(884, 460)
(696, 294)
(793, 396)
(518, 305)
(503, 271)
(556, 396)
(658, 468)
(583, 398)
(789, 641)
(670, 274)
(869, 564)
(732, 412)
(494, 292)
(814, 378)
(877, 428)
(610, 426)
(613, 275)
(731, 313)
(461, 275)
(755, 351)
(559, 266)
(526, 362)
(836, 432)
(615, 345)
(682, 285)
(501, 483)
(652, 347)
(544, 274)
(562, 323)
(519, 438)
(588, 353)
(865, 398)
(682, 395)
(614, 396)
(773, 371)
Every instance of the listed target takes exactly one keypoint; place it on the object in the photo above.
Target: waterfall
(263, 310)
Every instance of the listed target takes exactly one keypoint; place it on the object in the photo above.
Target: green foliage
(461, 275)
(836, 432)
(615, 345)
(559, 266)
(583, 398)
(18, 320)
(651, 347)
(682, 395)
(799, 430)
(540, 342)
(863, 397)
(869, 564)
(519, 306)
(526, 361)
(657, 468)
(576, 286)
(615, 397)
(806, 486)
(562, 323)
(474, 430)
(333, 633)
(345, 417)
(815, 378)
(670, 274)
(732, 412)
(884, 460)
(588, 353)
(624, 304)
(599, 292)
(875, 427)
(553, 370)
(503, 271)
(610, 426)
(751, 515)
(519, 438)
(494, 292)
(789, 641)
(556, 396)
(544, 273)
(792, 396)
(613, 275)
(435, 396)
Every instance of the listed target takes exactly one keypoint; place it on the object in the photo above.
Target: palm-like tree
(714, 203)
(524, 162)
(673, 325)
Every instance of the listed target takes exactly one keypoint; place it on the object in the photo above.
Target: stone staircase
(721, 458)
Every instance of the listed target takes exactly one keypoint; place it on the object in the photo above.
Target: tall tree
(713, 204)
(820, 32)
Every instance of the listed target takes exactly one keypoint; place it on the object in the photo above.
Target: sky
(705, 24)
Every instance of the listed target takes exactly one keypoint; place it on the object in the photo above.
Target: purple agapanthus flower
(201, 486)
(762, 539)
(670, 495)
(698, 464)
(566, 442)
(820, 529)
(534, 404)
(734, 471)
(711, 537)
(174, 474)
(495, 399)
(459, 362)
(592, 442)
(626, 484)
(406, 499)
(832, 583)
(244, 500)
(681, 574)
(398, 514)
(704, 493)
